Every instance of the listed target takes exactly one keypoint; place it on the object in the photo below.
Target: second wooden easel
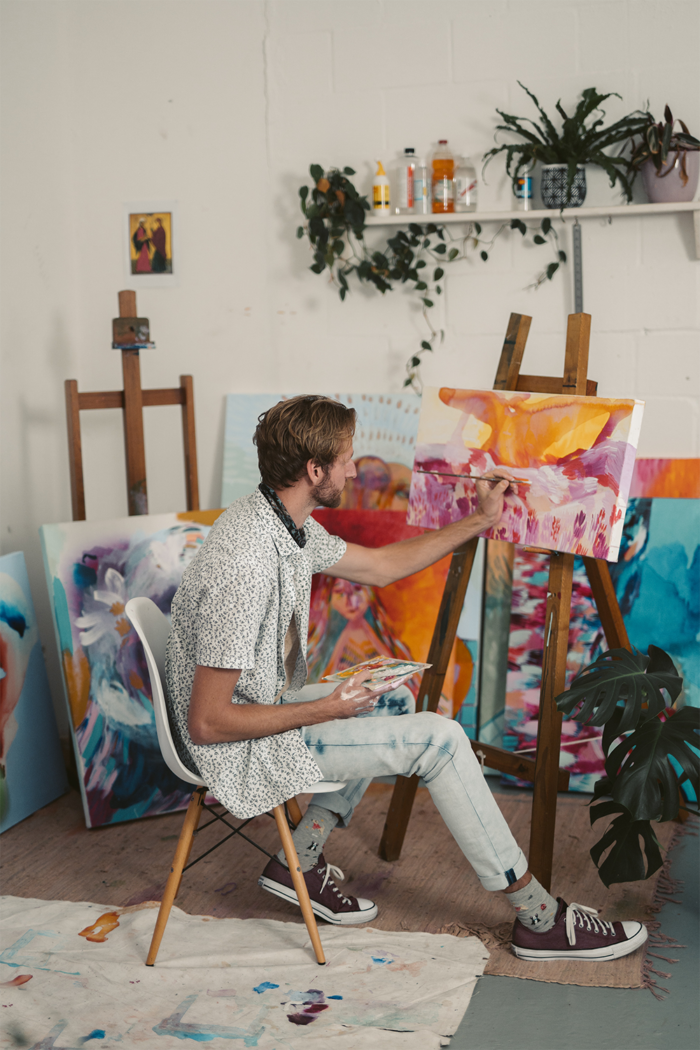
(544, 772)
(132, 400)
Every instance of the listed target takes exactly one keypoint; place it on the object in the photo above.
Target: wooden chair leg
(182, 852)
(299, 883)
(294, 812)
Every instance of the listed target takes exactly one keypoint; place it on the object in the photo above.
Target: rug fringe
(666, 890)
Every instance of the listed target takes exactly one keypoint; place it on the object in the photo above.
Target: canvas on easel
(545, 773)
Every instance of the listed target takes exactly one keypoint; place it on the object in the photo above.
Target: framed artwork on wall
(149, 244)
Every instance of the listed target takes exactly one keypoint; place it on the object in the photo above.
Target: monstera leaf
(641, 777)
(620, 677)
(626, 861)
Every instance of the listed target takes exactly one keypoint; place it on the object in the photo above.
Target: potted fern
(644, 741)
(564, 153)
(669, 160)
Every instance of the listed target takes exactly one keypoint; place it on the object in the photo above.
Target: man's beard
(326, 494)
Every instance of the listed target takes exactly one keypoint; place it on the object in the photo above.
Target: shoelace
(578, 915)
(336, 873)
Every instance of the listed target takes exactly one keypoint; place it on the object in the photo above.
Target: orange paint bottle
(443, 179)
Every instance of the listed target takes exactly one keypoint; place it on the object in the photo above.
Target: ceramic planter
(553, 186)
(668, 187)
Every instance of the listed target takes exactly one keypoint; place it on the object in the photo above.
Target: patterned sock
(535, 907)
(310, 836)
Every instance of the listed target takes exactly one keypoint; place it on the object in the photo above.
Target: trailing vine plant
(335, 214)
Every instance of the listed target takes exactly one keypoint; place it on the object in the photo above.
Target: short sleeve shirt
(232, 610)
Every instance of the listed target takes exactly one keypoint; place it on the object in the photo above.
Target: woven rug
(74, 973)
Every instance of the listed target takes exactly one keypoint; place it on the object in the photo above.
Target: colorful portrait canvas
(351, 622)
(32, 772)
(92, 570)
(573, 455)
(656, 583)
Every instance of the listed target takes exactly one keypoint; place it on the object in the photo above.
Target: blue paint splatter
(378, 959)
(96, 1033)
(334, 997)
(265, 987)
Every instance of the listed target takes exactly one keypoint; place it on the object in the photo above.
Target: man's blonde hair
(308, 427)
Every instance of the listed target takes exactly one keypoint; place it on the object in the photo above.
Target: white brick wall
(222, 106)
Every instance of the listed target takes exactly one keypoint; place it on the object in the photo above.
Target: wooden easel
(544, 771)
(132, 400)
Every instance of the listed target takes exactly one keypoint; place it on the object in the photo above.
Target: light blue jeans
(434, 747)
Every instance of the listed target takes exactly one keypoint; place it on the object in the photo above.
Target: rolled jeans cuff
(505, 879)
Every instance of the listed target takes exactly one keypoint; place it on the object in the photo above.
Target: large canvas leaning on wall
(384, 445)
(574, 454)
(92, 570)
(32, 773)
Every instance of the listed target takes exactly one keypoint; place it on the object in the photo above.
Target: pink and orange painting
(574, 457)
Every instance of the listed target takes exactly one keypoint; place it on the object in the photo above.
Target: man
(236, 668)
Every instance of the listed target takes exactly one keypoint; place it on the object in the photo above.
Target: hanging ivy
(335, 214)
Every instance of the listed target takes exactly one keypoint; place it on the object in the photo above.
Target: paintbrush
(475, 477)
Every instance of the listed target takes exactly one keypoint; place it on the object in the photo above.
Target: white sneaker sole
(337, 918)
(613, 951)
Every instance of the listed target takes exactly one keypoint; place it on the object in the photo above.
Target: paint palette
(385, 673)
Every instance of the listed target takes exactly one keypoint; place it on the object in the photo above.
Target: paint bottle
(422, 188)
(465, 187)
(522, 188)
(443, 179)
(380, 192)
(405, 172)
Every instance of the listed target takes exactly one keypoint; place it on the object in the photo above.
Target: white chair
(153, 628)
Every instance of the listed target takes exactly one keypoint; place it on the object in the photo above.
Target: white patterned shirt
(232, 610)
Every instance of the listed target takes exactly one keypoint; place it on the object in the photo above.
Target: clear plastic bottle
(422, 188)
(465, 187)
(443, 179)
(405, 183)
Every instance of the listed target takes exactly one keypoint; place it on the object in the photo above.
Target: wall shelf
(610, 211)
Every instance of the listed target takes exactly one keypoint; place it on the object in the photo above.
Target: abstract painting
(656, 582)
(384, 444)
(574, 456)
(32, 773)
(669, 478)
(92, 570)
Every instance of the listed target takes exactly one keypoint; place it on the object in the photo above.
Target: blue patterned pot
(553, 186)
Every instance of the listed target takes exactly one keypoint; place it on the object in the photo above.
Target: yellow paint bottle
(380, 192)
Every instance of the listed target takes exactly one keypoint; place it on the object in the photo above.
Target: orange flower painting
(574, 455)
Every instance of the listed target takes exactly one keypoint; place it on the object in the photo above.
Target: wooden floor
(52, 855)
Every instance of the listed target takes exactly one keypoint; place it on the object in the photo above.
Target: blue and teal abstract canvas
(32, 773)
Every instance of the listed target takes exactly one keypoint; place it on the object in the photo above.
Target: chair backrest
(153, 628)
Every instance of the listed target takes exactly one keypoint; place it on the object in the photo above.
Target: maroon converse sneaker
(326, 899)
(578, 934)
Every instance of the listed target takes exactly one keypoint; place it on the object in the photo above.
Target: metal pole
(578, 270)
